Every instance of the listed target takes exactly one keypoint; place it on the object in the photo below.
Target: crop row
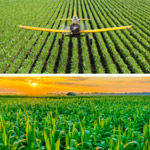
(9, 39)
(133, 51)
(37, 41)
(7, 58)
(139, 32)
(126, 53)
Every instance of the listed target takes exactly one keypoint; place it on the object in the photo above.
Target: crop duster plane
(75, 28)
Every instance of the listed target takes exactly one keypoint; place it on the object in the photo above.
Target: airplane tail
(74, 15)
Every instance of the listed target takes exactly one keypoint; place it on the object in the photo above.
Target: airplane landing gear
(90, 40)
(60, 41)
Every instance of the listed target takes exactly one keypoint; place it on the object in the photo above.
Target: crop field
(75, 123)
(26, 51)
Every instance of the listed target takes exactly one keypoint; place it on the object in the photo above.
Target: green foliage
(55, 123)
(24, 51)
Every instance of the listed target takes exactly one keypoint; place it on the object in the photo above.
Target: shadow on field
(68, 67)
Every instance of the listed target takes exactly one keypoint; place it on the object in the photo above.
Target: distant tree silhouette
(71, 94)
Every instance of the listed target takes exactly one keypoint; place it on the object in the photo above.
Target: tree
(71, 94)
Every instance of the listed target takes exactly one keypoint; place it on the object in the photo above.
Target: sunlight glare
(34, 84)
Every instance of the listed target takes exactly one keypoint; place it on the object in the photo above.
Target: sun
(34, 84)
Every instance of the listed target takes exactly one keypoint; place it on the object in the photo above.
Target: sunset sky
(45, 85)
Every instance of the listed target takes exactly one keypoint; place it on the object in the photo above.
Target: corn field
(75, 123)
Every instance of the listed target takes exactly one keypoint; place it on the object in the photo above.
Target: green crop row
(104, 52)
(112, 47)
(24, 45)
(86, 58)
(137, 33)
(134, 53)
(22, 17)
(9, 23)
(62, 64)
(55, 50)
(40, 45)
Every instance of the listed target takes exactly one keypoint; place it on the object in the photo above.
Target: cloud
(141, 81)
(67, 83)
(8, 91)
(76, 78)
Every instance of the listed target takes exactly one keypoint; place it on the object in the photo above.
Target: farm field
(114, 123)
(125, 51)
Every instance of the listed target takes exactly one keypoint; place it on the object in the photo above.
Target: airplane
(75, 28)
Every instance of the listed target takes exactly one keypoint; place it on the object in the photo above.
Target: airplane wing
(106, 29)
(44, 29)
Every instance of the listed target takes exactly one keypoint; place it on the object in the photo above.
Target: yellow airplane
(75, 28)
